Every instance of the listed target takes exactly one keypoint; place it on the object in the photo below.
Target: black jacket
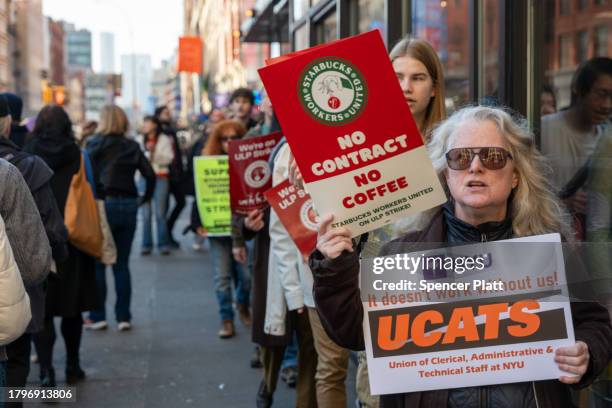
(38, 176)
(337, 296)
(115, 159)
(19, 134)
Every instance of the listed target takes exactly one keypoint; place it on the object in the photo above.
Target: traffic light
(47, 92)
(59, 95)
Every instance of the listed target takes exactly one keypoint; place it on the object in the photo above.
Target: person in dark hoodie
(18, 132)
(115, 160)
(498, 190)
(73, 289)
(38, 176)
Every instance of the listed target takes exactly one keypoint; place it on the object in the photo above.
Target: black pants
(176, 190)
(72, 330)
(18, 364)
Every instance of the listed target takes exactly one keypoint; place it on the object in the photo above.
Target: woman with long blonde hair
(421, 78)
(497, 190)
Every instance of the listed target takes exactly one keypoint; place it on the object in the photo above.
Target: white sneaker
(124, 326)
(101, 325)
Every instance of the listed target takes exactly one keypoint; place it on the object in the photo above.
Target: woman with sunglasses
(493, 174)
(224, 266)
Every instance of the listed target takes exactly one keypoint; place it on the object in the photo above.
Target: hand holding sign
(254, 221)
(332, 241)
(240, 254)
(573, 359)
(295, 176)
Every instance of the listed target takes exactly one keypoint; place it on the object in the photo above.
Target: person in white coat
(15, 313)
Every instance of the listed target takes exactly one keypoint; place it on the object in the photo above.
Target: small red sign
(293, 206)
(250, 174)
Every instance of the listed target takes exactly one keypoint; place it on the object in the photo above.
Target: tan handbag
(109, 249)
(81, 215)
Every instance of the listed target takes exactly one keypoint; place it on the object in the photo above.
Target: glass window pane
(300, 38)
(371, 16)
(601, 41)
(300, 8)
(492, 48)
(445, 26)
(583, 46)
(327, 29)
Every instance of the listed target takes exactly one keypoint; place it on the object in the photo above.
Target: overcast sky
(156, 24)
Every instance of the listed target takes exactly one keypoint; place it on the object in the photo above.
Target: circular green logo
(332, 91)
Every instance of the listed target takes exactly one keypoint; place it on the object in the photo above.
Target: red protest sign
(352, 134)
(293, 207)
(250, 174)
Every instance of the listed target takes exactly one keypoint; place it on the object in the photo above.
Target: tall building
(57, 55)
(78, 47)
(137, 74)
(5, 59)
(107, 53)
(29, 54)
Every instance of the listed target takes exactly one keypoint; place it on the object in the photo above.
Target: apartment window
(582, 53)
(582, 4)
(601, 41)
(565, 50)
(327, 29)
(300, 8)
(565, 7)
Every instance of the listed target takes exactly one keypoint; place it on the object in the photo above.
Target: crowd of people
(305, 316)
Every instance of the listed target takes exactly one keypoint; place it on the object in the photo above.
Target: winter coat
(115, 159)
(38, 177)
(73, 289)
(287, 288)
(336, 292)
(14, 301)
(162, 156)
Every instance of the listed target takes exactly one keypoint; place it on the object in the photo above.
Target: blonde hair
(422, 51)
(532, 205)
(113, 121)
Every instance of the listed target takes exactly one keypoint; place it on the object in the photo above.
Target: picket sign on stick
(211, 177)
(352, 134)
(479, 332)
(250, 174)
(293, 206)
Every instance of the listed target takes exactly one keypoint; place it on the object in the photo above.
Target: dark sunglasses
(492, 158)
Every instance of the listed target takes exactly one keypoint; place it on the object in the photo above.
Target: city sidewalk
(173, 356)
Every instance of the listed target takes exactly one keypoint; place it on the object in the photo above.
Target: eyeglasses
(492, 158)
(227, 138)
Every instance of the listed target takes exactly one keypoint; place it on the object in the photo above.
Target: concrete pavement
(172, 357)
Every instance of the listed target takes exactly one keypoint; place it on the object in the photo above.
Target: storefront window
(601, 41)
(491, 51)
(445, 25)
(327, 29)
(300, 38)
(300, 8)
(371, 15)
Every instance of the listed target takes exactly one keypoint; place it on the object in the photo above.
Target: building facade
(78, 47)
(28, 54)
(492, 51)
(107, 53)
(6, 64)
(137, 73)
(57, 55)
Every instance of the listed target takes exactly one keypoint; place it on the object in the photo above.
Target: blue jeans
(225, 268)
(291, 352)
(121, 213)
(160, 202)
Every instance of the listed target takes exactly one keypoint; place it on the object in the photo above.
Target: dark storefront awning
(270, 22)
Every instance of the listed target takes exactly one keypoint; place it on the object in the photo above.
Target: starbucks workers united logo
(332, 91)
